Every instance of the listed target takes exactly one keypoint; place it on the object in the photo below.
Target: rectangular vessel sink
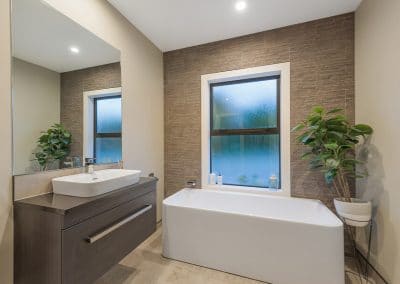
(100, 182)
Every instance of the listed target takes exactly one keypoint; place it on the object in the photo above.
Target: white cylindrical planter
(356, 213)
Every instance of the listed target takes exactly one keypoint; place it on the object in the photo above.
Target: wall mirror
(66, 92)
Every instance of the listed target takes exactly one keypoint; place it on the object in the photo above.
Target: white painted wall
(377, 49)
(142, 84)
(36, 107)
(6, 233)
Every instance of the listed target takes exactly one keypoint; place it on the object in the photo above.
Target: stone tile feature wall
(73, 84)
(321, 54)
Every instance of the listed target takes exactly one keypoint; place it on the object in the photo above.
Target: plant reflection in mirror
(53, 145)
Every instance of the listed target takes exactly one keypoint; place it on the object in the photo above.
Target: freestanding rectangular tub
(280, 240)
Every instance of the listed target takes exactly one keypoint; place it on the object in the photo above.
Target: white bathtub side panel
(263, 249)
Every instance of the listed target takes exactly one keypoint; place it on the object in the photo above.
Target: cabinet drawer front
(105, 202)
(92, 247)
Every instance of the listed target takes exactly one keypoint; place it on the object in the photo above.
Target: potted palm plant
(330, 140)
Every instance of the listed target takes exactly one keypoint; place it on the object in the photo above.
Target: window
(107, 129)
(246, 128)
(245, 131)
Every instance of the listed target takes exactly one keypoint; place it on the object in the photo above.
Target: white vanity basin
(100, 182)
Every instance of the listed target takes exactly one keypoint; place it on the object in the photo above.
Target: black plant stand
(362, 273)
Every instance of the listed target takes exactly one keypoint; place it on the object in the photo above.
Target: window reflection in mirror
(55, 61)
(107, 134)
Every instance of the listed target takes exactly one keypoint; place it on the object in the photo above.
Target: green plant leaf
(335, 110)
(337, 119)
(305, 137)
(314, 119)
(331, 146)
(363, 129)
(335, 135)
(306, 155)
(318, 109)
(309, 141)
(337, 128)
(298, 127)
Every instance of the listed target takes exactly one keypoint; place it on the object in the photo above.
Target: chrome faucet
(89, 162)
(191, 183)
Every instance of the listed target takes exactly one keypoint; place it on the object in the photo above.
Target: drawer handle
(109, 230)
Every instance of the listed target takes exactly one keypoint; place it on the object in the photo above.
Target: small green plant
(331, 141)
(53, 145)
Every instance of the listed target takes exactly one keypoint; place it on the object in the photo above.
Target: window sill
(246, 189)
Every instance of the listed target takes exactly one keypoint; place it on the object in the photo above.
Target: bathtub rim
(338, 223)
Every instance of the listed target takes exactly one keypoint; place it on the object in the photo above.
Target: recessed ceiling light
(74, 49)
(240, 5)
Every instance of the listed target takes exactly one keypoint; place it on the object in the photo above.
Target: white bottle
(212, 178)
(219, 179)
(273, 182)
(90, 169)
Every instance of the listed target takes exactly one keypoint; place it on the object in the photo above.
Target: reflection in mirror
(66, 92)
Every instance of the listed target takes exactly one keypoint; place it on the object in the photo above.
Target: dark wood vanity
(65, 239)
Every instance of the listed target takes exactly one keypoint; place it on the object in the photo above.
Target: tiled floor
(145, 265)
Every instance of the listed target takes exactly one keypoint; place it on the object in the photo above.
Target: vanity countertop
(64, 205)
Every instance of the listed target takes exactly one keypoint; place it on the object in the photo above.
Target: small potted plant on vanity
(331, 141)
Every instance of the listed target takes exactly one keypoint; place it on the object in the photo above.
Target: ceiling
(175, 24)
(43, 36)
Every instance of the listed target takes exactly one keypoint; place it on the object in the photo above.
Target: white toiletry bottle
(90, 169)
(219, 179)
(213, 178)
(273, 182)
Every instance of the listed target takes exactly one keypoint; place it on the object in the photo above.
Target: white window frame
(88, 117)
(283, 70)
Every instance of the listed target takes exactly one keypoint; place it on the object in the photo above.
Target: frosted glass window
(248, 104)
(108, 112)
(245, 131)
(247, 160)
(107, 130)
(108, 150)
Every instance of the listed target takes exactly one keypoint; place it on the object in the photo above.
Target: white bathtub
(279, 240)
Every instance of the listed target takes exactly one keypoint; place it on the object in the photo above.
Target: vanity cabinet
(64, 239)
